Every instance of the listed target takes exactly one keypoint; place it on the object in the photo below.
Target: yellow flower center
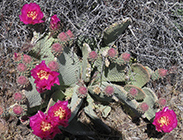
(164, 121)
(60, 113)
(45, 126)
(43, 75)
(32, 14)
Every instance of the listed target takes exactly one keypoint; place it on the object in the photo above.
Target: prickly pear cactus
(102, 74)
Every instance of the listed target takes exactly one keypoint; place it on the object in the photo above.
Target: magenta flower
(43, 126)
(31, 14)
(44, 77)
(165, 120)
(60, 113)
(54, 23)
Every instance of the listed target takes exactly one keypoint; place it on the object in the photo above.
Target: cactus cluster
(96, 76)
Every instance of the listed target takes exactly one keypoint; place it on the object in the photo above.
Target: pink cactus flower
(44, 77)
(125, 56)
(22, 80)
(27, 59)
(82, 91)
(53, 65)
(63, 37)
(70, 34)
(18, 96)
(144, 106)
(60, 113)
(165, 120)
(17, 109)
(109, 90)
(31, 14)
(57, 48)
(43, 126)
(54, 23)
(162, 72)
(133, 91)
(21, 67)
(112, 52)
(92, 55)
(162, 101)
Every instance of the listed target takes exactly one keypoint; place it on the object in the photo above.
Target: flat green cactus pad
(69, 68)
(140, 94)
(140, 75)
(112, 32)
(43, 48)
(150, 99)
(34, 98)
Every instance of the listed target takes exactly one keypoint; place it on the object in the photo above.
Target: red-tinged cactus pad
(150, 99)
